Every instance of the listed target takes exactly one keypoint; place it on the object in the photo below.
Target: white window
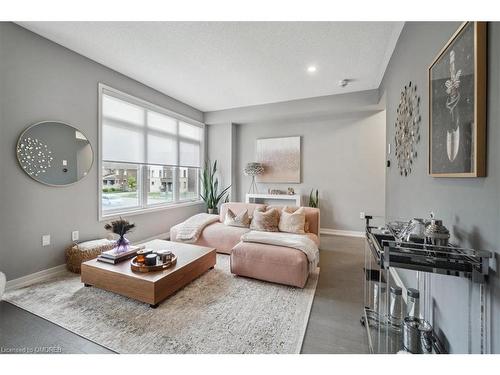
(149, 157)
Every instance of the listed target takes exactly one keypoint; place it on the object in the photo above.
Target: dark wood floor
(25, 332)
(333, 324)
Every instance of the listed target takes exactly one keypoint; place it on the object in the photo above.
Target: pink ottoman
(276, 264)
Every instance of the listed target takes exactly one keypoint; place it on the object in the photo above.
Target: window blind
(135, 134)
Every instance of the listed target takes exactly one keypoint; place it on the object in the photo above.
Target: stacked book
(113, 256)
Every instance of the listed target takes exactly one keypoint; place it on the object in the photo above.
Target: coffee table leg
(154, 306)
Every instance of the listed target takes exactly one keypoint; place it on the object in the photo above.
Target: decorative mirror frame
(21, 136)
(407, 132)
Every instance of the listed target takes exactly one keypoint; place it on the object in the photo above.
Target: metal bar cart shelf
(384, 253)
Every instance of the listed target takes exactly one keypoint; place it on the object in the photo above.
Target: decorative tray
(141, 267)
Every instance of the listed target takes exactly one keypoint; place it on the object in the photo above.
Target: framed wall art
(280, 158)
(457, 105)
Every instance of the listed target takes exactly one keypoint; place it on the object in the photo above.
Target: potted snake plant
(210, 184)
(314, 199)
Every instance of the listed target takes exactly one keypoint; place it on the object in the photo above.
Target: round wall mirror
(54, 153)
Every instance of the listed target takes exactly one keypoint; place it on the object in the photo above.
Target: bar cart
(384, 253)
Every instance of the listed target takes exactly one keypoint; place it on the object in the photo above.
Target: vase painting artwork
(453, 92)
(456, 124)
(280, 158)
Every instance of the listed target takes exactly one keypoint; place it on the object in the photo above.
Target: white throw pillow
(293, 222)
(241, 220)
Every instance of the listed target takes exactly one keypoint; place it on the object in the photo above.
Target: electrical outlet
(46, 240)
(75, 235)
(361, 215)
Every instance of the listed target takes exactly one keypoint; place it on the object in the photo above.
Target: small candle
(141, 255)
(151, 260)
(165, 255)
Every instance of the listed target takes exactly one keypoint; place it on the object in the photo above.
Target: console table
(295, 199)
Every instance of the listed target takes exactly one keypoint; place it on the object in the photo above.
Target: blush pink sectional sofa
(277, 264)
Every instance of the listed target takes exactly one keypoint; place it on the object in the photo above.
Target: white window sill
(140, 211)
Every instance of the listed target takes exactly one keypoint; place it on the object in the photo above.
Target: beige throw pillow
(266, 221)
(293, 222)
(241, 220)
(292, 209)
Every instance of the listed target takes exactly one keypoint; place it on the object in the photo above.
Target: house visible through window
(150, 156)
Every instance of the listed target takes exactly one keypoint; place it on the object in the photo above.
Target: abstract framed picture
(280, 158)
(457, 105)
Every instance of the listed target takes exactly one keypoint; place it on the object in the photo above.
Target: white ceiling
(219, 65)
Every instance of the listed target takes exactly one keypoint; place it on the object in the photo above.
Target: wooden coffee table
(151, 287)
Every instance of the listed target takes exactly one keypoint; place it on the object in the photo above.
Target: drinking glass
(399, 230)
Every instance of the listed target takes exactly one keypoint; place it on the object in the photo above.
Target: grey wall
(41, 80)
(343, 140)
(469, 207)
(220, 145)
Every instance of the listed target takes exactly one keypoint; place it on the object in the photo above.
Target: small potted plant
(210, 184)
(314, 199)
(120, 227)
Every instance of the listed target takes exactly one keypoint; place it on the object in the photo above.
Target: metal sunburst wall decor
(407, 128)
(34, 156)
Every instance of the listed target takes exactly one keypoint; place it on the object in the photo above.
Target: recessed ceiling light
(311, 69)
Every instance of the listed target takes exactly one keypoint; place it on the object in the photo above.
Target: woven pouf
(81, 252)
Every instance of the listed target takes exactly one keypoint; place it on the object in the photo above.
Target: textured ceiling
(218, 65)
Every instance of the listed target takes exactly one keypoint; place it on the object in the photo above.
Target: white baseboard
(44, 275)
(35, 277)
(339, 232)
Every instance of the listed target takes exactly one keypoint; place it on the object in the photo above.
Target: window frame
(142, 175)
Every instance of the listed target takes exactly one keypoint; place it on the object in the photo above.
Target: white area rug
(217, 313)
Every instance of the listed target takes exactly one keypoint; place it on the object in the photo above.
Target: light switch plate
(46, 240)
(361, 215)
(75, 235)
